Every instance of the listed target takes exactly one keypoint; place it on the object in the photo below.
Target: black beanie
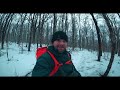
(59, 35)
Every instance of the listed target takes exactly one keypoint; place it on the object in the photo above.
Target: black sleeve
(74, 72)
(41, 68)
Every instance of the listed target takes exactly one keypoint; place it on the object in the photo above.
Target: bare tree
(99, 38)
(2, 16)
(27, 35)
(47, 34)
(93, 36)
(14, 32)
(38, 29)
(85, 33)
(114, 24)
(80, 35)
(31, 20)
(4, 28)
(119, 48)
(113, 43)
(22, 20)
(42, 29)
(34, 27)
(66, 23)
(54, 22)
(118, 34)
(63, 18)
(7, 29)
(73, 31)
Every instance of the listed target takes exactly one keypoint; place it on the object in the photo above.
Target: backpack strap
(57, 64)
(69, 62)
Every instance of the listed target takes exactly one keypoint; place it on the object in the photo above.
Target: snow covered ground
(86, 63)
(18, 64)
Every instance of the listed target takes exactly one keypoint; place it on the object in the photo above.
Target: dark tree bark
(99, 38)
(54, 22)
(23, 17)
(73, 31)
(118, 39)
(5, 26)
(113, 43)
(66, 23)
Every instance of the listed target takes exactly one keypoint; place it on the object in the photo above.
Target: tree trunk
(2, 42)
(30, 34)
(34, 27)
(99, 38)
(73, 31)
(118, 39)
(119, 48)
(7, 45)
(63, 22)
(5, 26)
(113, 43)
(79, 43)
(47, 34)
(30, 37)
(54, 22)
(3, 31)
(66, 23)
(42, 30)
(93, 41)
(37, 38)
(21, 28)
(80, 35)
(38, 30)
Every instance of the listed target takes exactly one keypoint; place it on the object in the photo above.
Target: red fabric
(57, 64)
(40, 51)
(69, 62)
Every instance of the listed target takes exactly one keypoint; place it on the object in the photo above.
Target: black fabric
(59, 35)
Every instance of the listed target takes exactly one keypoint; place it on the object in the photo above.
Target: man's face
(60, 44)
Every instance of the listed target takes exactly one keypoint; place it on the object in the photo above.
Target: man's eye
(64, 41)
(58, 39)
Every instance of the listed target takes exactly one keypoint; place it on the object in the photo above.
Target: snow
(86, 63)
(19, 64)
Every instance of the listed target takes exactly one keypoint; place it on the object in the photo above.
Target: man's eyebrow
(61, 40)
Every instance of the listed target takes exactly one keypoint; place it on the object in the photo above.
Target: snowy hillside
(18, 64)
(85, 62)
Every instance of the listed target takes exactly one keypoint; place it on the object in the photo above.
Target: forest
(94, 32)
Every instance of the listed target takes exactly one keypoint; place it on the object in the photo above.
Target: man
(45, 65)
